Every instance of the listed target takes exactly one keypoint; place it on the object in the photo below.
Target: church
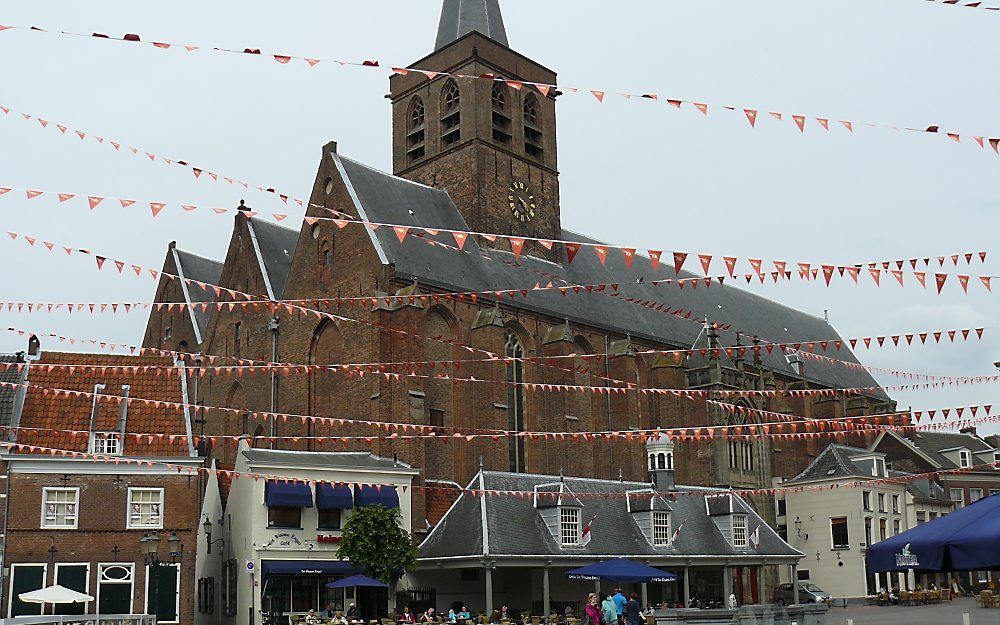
(471, 153)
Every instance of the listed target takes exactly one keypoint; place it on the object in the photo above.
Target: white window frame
(960, 502)
(76, 505)
(972, 494)
(177, 597)
(964, 458)
(881, 502)
(131, 583)
(55, 579)
(10, 582)
(740, 522)
(571, 525)
(866, 500)
(104, 437)
(661, 538)
(128, 512)
(878, 467)
(895, 504)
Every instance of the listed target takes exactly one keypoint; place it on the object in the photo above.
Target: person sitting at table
(338, 618)
(503, 614)
(353, 614)
(406, 616)
(464, 614)
(429, 616)
(312, 618)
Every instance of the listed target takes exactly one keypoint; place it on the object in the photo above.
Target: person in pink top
(592, 611)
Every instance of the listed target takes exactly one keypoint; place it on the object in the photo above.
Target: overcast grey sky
(631, 172)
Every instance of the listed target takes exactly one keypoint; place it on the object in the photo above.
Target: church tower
(491, 144)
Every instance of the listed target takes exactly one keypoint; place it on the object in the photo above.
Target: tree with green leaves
(374, 540)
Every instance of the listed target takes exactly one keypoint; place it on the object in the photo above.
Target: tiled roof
(516, 528)
(46, 410)
(833, 462)
(439, 499)
(931, 443)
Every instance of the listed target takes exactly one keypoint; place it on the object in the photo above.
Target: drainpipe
(273, 325)
(607, 382)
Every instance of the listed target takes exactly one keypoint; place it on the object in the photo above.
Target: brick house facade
(463, 161)
(77, 520)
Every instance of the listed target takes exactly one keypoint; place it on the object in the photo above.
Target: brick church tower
(490, 144)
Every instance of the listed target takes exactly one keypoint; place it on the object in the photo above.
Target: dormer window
(661, 528)
(964, 458)
(451, 114)
(740, 531)
(569, 526)
(415, 134)
(501, 114)
(878, 467)
(105, 443)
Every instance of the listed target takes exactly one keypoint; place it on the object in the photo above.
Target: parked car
(808, 593)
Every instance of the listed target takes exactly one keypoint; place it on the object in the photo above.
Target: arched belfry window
(501, 114)
(514, 351)
(451, 114)
(532, 127)
(415, 133)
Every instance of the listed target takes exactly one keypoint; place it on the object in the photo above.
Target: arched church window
(670, 461)
(451, 114)
(661, 461)
(501, 114)
(514, 351)
(415, 133)
(652, 461)
(532, 127)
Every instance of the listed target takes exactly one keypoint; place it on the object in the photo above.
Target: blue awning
(967, 539)
(281, 494)
(306, 567)
(334, 496)
(368, 495)
(621, 570)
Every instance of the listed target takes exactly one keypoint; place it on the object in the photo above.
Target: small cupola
(660, 457)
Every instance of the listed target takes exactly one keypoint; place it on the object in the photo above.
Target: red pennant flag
(599, 95)
(66, 196)
(460, 238)
(994, 143)
(679, 258)
(281, 58)
(516, 245)
(756, 264)
(899, 276)
(825, 123)
(654, 258)
(100, 261)
(126, 203)
(940, 278)
(400, 232)
(94, 201)
(706, 262)
(876, 275)
(986, 283)
(628, 253)
(701, 107)
(730, 265)
(827, 273)
(920, 276)
(156, 207)
(543, 89)
(751, 116)
(33, 194)
(602, 253)
(964, 281)
(571, 251)
(800, 121)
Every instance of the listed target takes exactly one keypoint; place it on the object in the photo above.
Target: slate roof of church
(434, 261)
(201, 269)
(461, 17)
(277, 246)
(515, 527)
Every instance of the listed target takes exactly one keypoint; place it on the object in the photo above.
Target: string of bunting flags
(805, 270)
(968, 5)
(474, 492)
(753, 114)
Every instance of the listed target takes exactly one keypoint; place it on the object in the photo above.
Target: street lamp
(207, 526)
(149, 545)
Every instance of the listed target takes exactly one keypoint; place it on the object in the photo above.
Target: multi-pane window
(838, 533)
(284, 518)
(965, 458)
(569, 526)
(415, 135)
(59, 507)
(921, 517)
(501, 114)
(881, 529)
(975, 494)
(115, 588)
(206, 595)
(329, 519)
(878, 467)
(514, 352)
(106, 443)
(881, 502)
(866, 499)
(957, 496)
(740, 534)
(145, 508)
(895, 504)
(661, 528)
(451, 116)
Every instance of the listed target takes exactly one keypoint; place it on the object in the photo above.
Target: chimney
(969, 430)
(34, 347)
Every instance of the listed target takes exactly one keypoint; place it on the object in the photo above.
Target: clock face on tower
(522, 202)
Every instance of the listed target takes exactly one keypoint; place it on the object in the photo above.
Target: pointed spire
(461, 17)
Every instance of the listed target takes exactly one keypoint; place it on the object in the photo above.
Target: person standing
(610, 611)
(592, 611)
(620, 602)
(632, 612)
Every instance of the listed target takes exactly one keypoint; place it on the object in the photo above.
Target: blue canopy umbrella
(357, 581)
(967, 539)
(620, 570)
